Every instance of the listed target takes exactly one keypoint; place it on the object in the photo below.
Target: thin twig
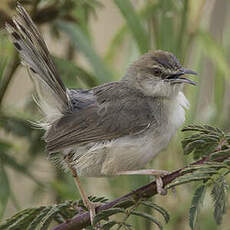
(147, 191)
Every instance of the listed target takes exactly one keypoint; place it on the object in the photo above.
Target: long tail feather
(52, 95)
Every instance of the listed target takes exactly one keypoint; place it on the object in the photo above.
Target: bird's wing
(104, 113)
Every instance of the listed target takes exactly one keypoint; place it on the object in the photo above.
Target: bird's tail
(52, 96)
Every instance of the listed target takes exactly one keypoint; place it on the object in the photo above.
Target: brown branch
(147, 191)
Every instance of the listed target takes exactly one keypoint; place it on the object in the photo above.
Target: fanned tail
(52, 95)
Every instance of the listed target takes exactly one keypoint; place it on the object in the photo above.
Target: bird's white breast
(177, 112)
(131, 153)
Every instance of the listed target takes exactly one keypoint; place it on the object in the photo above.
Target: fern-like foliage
(205, 140)
(103, 218)
(213, 143)
(197, 201)
(40, 218)
(210, 145)
(219, 195)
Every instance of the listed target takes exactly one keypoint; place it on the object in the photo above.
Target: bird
(112, 129)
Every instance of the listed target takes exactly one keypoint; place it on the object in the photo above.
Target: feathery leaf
(197, 201)
(148, 217)
(40, 218)
(103, 215)
(206, 140)
(158, 208)
(219, 195)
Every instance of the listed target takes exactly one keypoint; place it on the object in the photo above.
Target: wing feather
(110, 111)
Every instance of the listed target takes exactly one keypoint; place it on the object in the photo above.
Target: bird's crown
(160, 65)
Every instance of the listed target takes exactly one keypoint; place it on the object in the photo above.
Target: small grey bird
(114, 128)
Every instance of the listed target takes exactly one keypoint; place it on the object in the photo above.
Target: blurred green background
(94, 41)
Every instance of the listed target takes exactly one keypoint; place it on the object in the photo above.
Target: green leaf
(23, 128)
(70, 73)
(209, 168)
(148, 217)
(109, 225)
(11, 161)
(97, 199)
(125, 203)
(216, 52)
(219, 196)
(82, 43)
(218, 154)
(205, 141)
(36, 145)
(20, 220)
(203, 129)
(8, 222)
(40, 218)
(37, 220)
(195, 176)
(197, 201)
(46, 220)
(165, 26)
(191, 146)
(3, 63)
(5, 189)
(103, 215)
(114, 48)
(181, 37)
(158, 208)
(219, 93)
(115, 43)
(16, 126)
(134, 24)
(59, 218)
(5, 146)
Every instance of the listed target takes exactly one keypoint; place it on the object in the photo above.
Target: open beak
(176, 77)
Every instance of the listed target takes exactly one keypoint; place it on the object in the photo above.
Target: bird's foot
(157, 173)
(91, 206)
(159, 183)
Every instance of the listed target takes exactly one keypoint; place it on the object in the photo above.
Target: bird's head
(158, 73)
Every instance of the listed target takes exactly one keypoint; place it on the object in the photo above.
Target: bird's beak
(177, 76)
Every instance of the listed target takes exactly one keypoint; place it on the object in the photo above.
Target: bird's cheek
(159, 88)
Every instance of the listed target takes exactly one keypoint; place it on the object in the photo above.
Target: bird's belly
(123, 154)
(129, 152)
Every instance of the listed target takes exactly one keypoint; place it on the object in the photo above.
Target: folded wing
(103, 113)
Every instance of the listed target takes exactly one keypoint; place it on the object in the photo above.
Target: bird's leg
(157, 173)
(88, 204)
(91, 206)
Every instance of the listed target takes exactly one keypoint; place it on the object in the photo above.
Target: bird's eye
(156, 72)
